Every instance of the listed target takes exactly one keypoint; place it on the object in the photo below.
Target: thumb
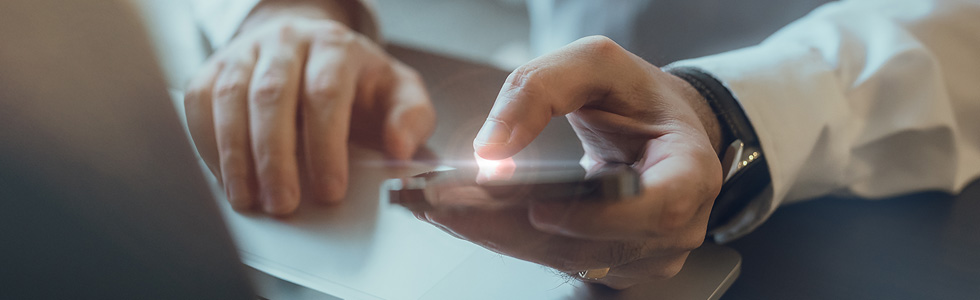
(515, 120)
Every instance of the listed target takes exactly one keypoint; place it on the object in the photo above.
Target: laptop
(102, 197)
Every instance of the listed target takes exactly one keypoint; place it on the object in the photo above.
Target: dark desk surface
(921, 246)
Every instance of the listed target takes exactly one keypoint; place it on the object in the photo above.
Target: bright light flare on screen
(490, 170)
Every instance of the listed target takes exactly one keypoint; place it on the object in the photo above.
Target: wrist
(714, 128)
(271, 11)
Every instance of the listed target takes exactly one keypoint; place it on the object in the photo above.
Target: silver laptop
(101, 196)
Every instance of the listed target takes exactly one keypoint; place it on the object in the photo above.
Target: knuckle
(601, 46)
(198, 89)
(523, 75)
(229, 89)
(333, 34)
(324, 89)
(286, 31)
(195, 94)
(525, 82)
(329, 29)
(268, 90)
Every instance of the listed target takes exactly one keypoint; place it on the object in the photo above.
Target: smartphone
(609, 183)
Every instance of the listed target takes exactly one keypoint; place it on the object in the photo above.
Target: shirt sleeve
(865, 98)
(219, 20)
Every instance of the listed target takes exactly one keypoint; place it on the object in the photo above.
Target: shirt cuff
(778, 85)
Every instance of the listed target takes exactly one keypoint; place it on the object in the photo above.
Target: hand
(625, 111)
(286, 95)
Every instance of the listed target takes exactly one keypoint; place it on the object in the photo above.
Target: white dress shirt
(872, 98)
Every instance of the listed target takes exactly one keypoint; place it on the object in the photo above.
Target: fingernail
(494, 132)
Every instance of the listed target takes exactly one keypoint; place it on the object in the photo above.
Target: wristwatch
(746, 173)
